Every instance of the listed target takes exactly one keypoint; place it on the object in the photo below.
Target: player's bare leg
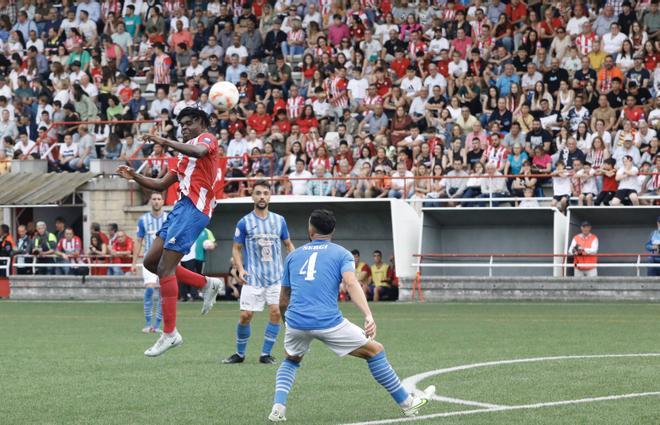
(165, 264)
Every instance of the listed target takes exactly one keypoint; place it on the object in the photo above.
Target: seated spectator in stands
(609, 185)
(319, 187)
(112, 148)
(629, 184)
(347, 183)
(7, 125)
(22, 248)
(583, 247)
(299, 178)
(587, 184)
(86, 150)
(402, 182)
(528, 201)
(68, 152)
(456, 183)
(44, 244)
(121, 249)
(69, 249)
(362, 273)
(492, 186)
(6, 245)
(628, 149)
(381, 285)
(25, 149)
(561, 187)
(653, 247)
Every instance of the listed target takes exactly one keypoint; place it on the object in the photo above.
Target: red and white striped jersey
(162, 65)
(585, 43)
(197, 176)
(294, 106)
(73, 246)
(339, 92)
(296, 36)
(496, 155)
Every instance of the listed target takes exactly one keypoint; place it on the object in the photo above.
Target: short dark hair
(114, 227)
(4, 228)
(378, 252)
(323, 221)
(96, 227)
(355, 252)
(195, 114)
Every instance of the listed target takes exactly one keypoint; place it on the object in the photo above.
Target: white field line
(411, 384)
(508, 408)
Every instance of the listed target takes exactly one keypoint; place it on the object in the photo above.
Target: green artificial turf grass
(82, 363)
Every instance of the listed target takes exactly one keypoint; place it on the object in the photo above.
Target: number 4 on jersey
(309, 268)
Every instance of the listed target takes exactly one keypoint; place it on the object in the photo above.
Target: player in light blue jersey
(257, 253)
(310, 290)
(148, 226)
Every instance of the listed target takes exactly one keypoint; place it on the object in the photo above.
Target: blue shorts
(182, 226)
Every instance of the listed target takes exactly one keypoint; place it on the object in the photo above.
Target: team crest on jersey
(237, 232)
(172, 241)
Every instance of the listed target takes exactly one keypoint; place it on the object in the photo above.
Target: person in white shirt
(493, 186)
(159, 103)
(587, 180)
(613, 40)
(438, 44)
(297, 178)
(238, 147)
(574, 26)
(457, 67)
(68, 151)
(561, 187)
(35, 41)
(89, 88)
(195, 69)
(357, 87)
(312, 15)
(434, 79)
(529, 201)
(236, 49)
(629, 184)
(403, 183)
(370, 46)
(410, 83)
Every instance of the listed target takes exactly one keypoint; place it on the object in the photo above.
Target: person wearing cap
(653, 247)
(628, 149)
(583, 247)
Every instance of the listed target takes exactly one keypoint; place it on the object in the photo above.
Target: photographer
(583, 247)
(653, 246)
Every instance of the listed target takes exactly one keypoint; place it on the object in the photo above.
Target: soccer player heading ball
(196, 172)
(308, 301)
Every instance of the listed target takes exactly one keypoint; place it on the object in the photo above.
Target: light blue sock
(286, 375)
(159, 310)
(272, 329)
(148, 305)
(242, 336)
(386, 376)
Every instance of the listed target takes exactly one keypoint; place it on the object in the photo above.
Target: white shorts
(148, 277)
(254, 298)
(343, 339)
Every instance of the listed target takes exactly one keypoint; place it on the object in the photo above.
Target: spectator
(44, 244)
(121, 249)
(317, 186)
(381, 285)
(22, 250)
(583, 247)
(6, 245)
(653, 247)
(362, 273)
(629, 184)
(492, 186)
(300, 178)
(69, 249)
(402, 182)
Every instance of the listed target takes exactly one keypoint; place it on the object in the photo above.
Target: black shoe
(267, 360)
(234, 358)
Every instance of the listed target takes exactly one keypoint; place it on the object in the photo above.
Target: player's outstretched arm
(196, 151)
(154, 184)
(360, 300)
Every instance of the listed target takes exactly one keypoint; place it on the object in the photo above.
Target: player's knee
(152, 266)
(245, 317)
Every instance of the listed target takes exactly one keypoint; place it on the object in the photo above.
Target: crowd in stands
(393, 98)
(35, 249)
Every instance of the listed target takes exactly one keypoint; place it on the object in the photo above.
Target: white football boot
(164, 343)
(277, 414)
(418, 401)
(214, 286)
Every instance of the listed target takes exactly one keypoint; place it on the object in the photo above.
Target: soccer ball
(224, 95)
(208, 245)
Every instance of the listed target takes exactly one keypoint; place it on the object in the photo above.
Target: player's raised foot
(164, 343)
(233, 359)
(277, 414)
(146, 330)
(267, 359)
(214, 286)
(418, 401)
